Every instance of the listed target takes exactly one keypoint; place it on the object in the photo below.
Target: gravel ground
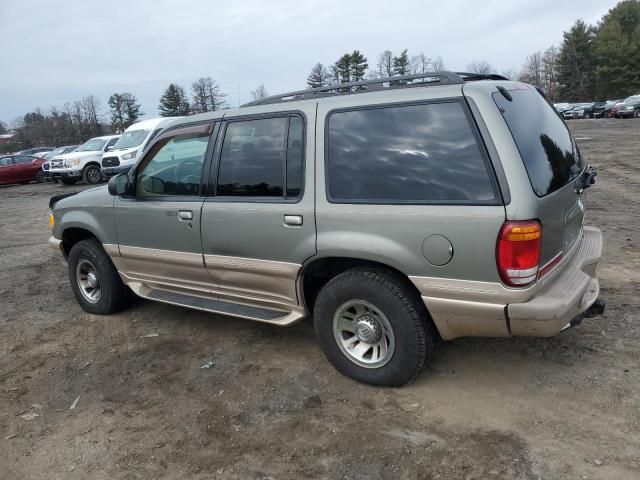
(164, 392)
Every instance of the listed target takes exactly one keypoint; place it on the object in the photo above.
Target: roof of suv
(364, 87)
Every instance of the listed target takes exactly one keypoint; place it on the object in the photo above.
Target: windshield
(54, 153)
(131, 139)
(92, 145)
(632, 99)
(544, 142)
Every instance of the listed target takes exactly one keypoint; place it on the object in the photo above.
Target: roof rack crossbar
(400, 81)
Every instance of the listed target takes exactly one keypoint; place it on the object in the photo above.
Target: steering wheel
(185, 176)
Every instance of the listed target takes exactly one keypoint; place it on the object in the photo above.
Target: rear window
(543, 139)
(406, 154)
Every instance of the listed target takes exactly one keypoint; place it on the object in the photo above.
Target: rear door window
(262, 157)
(545, 144)
(426, 153)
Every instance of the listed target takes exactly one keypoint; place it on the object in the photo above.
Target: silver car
(392, 211)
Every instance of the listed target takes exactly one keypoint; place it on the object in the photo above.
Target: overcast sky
(58, 51)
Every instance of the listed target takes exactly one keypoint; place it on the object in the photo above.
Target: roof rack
(401, 81)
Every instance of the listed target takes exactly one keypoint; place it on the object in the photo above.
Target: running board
(260, 314)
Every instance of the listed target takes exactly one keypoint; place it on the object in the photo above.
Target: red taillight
(518, 252)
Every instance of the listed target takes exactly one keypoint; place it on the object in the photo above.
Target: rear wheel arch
(318, 272)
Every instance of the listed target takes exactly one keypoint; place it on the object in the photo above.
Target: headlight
(130, 155)
(580, 112)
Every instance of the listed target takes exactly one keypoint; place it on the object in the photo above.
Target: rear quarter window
(547, 150)
(425, 153)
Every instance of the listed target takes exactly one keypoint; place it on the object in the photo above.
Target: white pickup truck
(83, 163)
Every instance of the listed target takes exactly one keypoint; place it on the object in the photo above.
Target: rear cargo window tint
(542, 138)
(406, 154)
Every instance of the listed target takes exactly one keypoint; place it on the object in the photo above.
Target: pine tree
(358, 66)
(132, 109)
(576, 63)
(173, 102)
(117, 111)
(343, 68)
(319, 76)
(617, 51)
(401, 64)
(125, 111)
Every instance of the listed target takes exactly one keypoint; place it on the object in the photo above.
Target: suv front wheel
(94, 279)
(373, 328)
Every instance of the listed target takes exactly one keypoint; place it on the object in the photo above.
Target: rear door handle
(185, 214)
(293, 220)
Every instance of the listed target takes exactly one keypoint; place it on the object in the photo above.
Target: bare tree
(420, 63)
(550, 68)
(437, 64)
(206, 96)
(541, 70)
(385, 64)
(481, 67)
(319, 76)
(533, 70)
(510, 73)
(259, 93)
(91, 112)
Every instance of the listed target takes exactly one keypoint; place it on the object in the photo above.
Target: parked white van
(131, 144)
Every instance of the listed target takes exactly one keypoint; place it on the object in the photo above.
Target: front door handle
(185, 214)
(293, 220)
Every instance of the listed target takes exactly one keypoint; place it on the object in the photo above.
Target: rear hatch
(553, 164)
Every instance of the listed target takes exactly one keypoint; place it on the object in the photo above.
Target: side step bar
(248, 312)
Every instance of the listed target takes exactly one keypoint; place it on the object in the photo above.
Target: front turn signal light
(51, 220)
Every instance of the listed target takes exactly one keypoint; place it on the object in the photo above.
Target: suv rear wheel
(91, 174)
(94, 279)
(373, 328)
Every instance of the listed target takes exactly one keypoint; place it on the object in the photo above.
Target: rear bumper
(463, 308)
(565, 298)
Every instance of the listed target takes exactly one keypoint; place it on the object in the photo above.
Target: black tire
(91, 174)
(68, 181)
(40, 178)
(404, 311)
(636, 113)
(114, 295)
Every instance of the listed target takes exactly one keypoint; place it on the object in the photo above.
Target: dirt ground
(164, 392)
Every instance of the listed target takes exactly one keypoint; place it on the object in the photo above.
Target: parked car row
(20, 168)
(106, 156)
(97, 159)
(629, 107)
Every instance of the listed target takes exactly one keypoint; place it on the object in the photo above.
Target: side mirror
(120, 185)
(110, 149)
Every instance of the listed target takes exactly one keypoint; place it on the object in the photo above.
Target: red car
(20, 169)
